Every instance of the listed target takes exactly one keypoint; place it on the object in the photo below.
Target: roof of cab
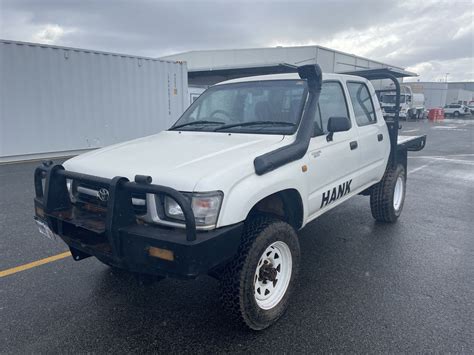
(288, 76)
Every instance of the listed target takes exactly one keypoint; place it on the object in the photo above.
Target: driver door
(332, 166)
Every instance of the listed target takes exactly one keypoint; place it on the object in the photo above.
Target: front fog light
(205, 207)
(172, 209)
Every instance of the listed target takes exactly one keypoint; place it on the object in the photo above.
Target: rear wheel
(388, 196)
(257, 284)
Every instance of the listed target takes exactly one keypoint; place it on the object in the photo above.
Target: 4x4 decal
(336, 193)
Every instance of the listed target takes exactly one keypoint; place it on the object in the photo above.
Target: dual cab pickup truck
(224, 191)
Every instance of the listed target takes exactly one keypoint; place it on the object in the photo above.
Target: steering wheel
(220, 112)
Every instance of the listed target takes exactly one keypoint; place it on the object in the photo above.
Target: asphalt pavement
(363, 287)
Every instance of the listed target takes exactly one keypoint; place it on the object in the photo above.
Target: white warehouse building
(439, 94)
(207, 67)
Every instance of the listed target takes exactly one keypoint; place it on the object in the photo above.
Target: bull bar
(119, 238)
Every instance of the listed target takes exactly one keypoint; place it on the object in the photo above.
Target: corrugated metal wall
(55, 99)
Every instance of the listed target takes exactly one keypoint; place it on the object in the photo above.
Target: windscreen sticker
(336, 193)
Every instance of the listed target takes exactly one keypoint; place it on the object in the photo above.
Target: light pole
(446, 80)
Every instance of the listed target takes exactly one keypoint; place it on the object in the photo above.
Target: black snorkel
(296, 150)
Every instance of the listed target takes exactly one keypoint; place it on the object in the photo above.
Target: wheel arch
(285, 204)
(287, 182)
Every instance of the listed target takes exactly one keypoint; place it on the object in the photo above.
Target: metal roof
(380, 73)
(83, 50)
(236, 51)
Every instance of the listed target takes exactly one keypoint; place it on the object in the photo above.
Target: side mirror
(337, 124)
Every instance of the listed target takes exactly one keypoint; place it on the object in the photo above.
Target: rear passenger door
(373, 134)
(331, 165)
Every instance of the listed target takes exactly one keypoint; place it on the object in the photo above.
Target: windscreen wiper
(195, 123)
(254, 123)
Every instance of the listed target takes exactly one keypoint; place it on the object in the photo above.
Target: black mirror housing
(338, 124)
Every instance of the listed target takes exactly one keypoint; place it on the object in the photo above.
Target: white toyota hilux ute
(224, 191)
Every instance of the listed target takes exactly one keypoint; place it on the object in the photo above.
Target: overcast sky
(430, 38)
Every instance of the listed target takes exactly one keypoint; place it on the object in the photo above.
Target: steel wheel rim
(398, 194)
(272, 275)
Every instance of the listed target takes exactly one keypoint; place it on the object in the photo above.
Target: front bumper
(118, 238)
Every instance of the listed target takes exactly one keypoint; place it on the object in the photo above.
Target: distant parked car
(455, 110)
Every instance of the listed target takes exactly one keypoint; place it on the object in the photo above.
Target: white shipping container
(59, 101)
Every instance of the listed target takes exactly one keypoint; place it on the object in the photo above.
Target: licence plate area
(88, 219)
(82, 233)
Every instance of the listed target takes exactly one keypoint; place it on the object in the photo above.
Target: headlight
(206, 207)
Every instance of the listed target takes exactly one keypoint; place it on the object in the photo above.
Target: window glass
(362, 103)
(332, 103)
(271, 106)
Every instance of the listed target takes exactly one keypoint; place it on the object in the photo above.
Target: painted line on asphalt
(419, 168)
(459, 155)
(33, 264)
(458, 161)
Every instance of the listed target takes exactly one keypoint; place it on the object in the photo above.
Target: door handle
(380, 137)
(353, 145)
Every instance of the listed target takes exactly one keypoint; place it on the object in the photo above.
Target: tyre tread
(381, 197)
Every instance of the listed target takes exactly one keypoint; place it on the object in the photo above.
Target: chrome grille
(89, 194)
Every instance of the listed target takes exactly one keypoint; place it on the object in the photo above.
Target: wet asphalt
(363, 287)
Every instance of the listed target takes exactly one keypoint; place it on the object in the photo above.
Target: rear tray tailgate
(411, 143)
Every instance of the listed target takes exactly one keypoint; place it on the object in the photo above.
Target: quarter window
(362, 104)
(332, 103)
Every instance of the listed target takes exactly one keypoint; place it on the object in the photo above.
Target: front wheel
(456, 114)
(257, 284)
(388, 196)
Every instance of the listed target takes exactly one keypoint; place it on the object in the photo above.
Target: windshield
(270, 107)
(390, 99)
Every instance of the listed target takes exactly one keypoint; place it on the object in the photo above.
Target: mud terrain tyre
(256, 286)
(388, 196)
